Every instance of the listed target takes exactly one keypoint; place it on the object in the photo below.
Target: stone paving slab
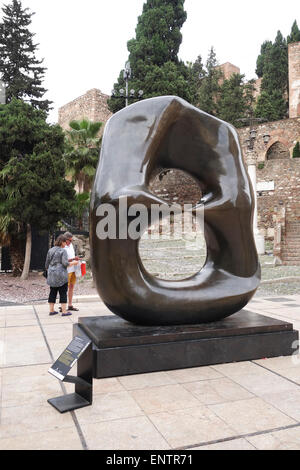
(240, 406)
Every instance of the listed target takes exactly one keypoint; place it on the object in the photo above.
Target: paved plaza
(246, 405)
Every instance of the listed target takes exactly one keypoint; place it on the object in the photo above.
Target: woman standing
(57, 278)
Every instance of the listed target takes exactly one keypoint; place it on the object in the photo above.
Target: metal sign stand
(83, 395)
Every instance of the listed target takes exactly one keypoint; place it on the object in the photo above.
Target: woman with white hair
(57, 264)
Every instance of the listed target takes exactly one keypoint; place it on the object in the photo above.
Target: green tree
(236, 100)
(196, 72)
(209, 91)
(295, 33)
(82, 152)
(263, 58)
(21, 71)
(33, 189)
(153, 53)
(82, 204)
(272, 103)
(296, 150)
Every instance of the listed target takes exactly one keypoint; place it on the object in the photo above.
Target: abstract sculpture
(163, 133)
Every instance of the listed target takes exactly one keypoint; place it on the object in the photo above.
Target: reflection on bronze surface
(167, 132)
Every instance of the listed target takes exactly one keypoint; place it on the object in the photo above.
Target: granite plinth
(122, 348)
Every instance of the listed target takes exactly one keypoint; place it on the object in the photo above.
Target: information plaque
(69, 357)
(80, 351)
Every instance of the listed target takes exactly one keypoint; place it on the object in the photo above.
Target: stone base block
(122, 348)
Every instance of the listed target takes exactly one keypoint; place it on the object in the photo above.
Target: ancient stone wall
(286, 177)
(176, 187)
(278, 174)
(294, 79)
(286, 131)
(228, 69)
(92, 105)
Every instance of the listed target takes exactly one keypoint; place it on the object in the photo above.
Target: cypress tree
(296, 150)
(209, 91)
(196, 73)
(272, 104)
(21, 71)
(153, 53)
(295, 34)
(236, 99)
(262, 58)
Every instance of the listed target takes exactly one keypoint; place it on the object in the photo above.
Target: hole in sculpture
(174, 247)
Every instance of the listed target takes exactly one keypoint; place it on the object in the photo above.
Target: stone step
(296, 239)
(291, 263)
(290, 243)
(290, 249)
(290, 254)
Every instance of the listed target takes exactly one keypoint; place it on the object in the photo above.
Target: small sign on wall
(265, 186)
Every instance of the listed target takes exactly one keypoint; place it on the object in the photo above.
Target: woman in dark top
(57, 278)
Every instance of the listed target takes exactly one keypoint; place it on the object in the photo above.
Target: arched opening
(174, 247)
(278, 151)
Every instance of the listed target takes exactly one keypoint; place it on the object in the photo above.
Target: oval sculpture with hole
(140, 141)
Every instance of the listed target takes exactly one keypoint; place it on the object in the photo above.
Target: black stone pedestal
(122, 348)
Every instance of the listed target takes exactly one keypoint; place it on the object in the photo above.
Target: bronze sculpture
(162, 133)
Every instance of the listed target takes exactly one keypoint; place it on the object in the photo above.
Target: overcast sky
(84, 42)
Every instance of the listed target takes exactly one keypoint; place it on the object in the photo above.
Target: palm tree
(82, 152)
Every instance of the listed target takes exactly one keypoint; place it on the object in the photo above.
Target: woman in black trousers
(57, 278)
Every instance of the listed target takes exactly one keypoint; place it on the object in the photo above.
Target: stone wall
(92, 105)
(294, 79)
(82, 246)
(228, 69)
(286, 177)
(175, 186)
(276, 166)
(286, 131)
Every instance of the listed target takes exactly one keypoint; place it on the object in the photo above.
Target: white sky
(84, 42)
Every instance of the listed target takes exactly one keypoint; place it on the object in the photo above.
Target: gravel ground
(166, 259)
(13, 289)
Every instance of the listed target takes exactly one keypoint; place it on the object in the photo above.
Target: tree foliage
(82, 152)
(21, 71)
(153, 53)
(236, 100)
(33, 188)
(263, 58)
(296, 150)
(208, 89)
(295, 34)
(272, 66)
